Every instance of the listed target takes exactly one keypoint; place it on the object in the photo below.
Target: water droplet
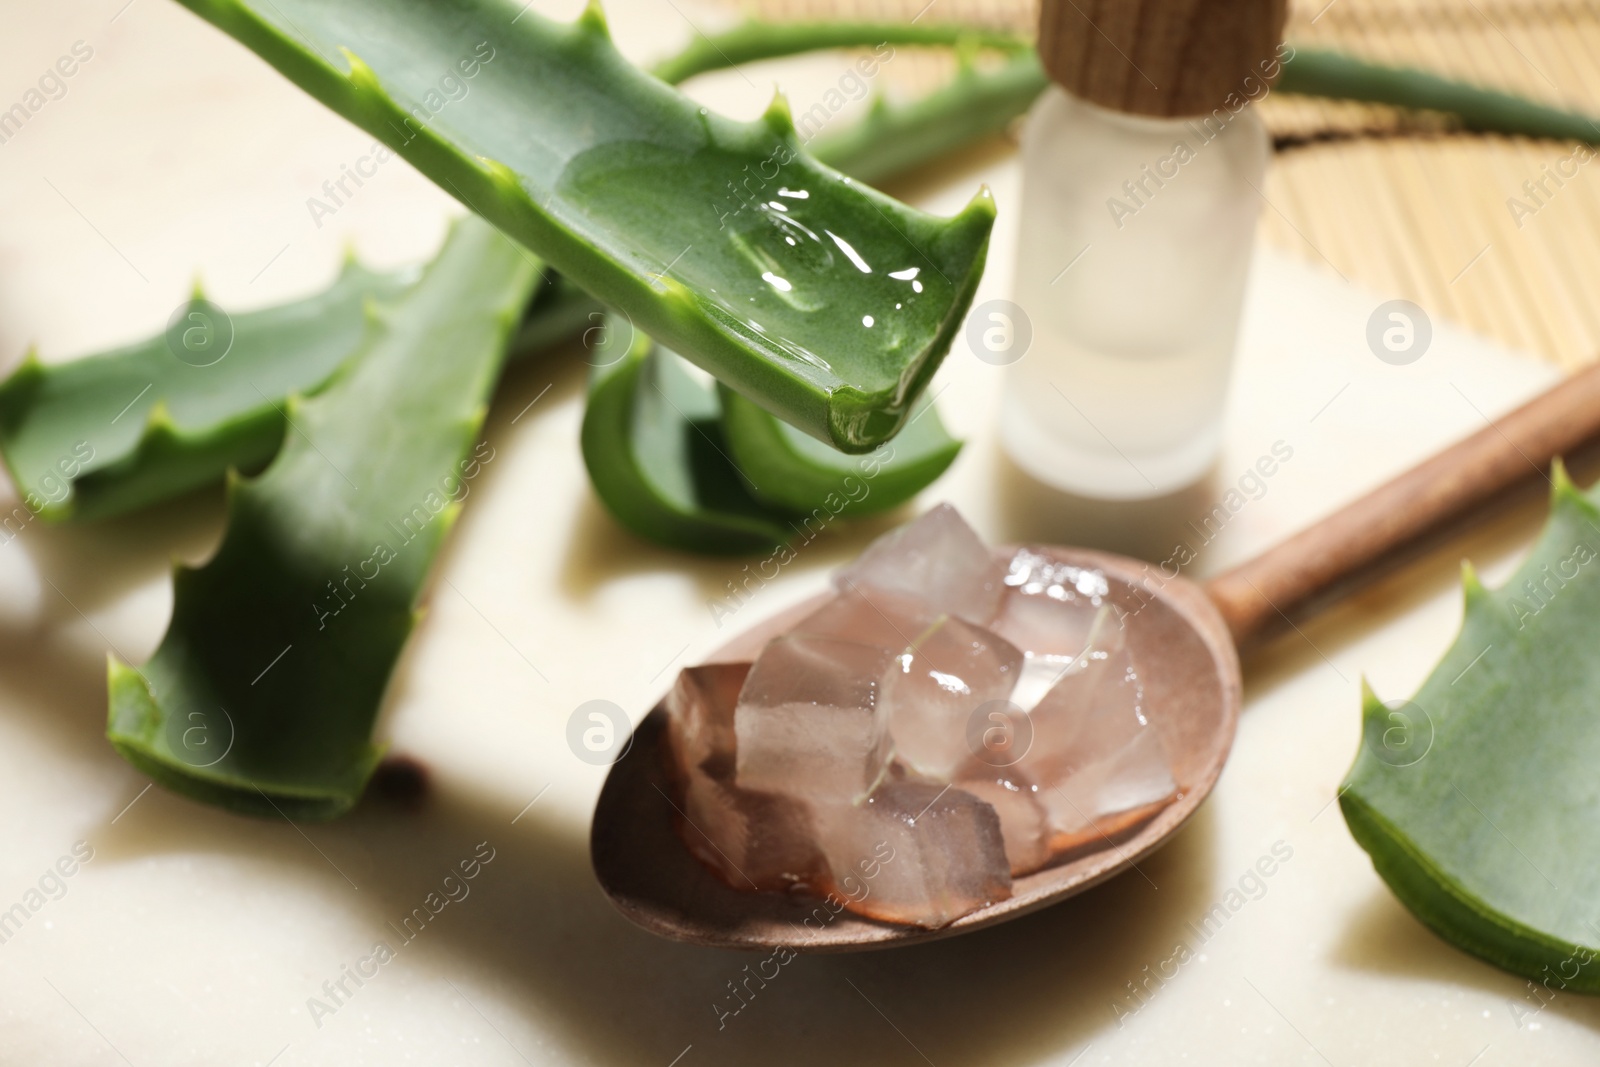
(794, 194)
(866, 320)
(780, 284)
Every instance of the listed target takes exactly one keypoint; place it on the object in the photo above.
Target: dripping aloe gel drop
(1141, 166)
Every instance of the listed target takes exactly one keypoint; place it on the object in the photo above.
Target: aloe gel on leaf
(820, 299)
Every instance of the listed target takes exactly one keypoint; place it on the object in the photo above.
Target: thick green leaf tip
(1477, 799)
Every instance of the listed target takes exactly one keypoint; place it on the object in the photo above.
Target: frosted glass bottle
(1135, 242)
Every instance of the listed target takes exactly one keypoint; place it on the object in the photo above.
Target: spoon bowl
(1191, 681)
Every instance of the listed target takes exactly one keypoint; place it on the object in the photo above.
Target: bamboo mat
(1402, 204)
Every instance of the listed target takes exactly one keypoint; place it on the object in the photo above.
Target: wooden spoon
(1185, 640)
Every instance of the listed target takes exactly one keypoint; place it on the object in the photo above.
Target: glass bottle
(1139, 209)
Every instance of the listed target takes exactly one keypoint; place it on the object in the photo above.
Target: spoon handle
(1321, 563)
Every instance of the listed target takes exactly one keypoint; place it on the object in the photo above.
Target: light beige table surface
(197, 937)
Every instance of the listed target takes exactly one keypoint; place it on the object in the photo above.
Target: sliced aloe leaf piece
(262, 695)
(790, 471)
(722, 239)
(654, 447)
(115, 431)
(1478, 799)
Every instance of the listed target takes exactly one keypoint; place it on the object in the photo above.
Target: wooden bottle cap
(1169, 58)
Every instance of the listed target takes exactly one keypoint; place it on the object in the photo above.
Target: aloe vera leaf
(647, 201)
(1478, 799)
(654, 447)
(1307, 71)
(1318, 72)
(793, 472)
(756, 40)
(230, 414)
(693, 497)
(262, 695)
(892, 139)
(112, 432)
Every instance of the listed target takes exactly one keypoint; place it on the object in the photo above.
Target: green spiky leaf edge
(1404, 816)
(263, 693)
(562, 93)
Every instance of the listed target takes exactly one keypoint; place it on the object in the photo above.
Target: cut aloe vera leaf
(1478, 799)
(722, 239)
(195, 422)
(96, 437)
(262, 695)
(112, 432)
(654, 447)
(788, 470)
